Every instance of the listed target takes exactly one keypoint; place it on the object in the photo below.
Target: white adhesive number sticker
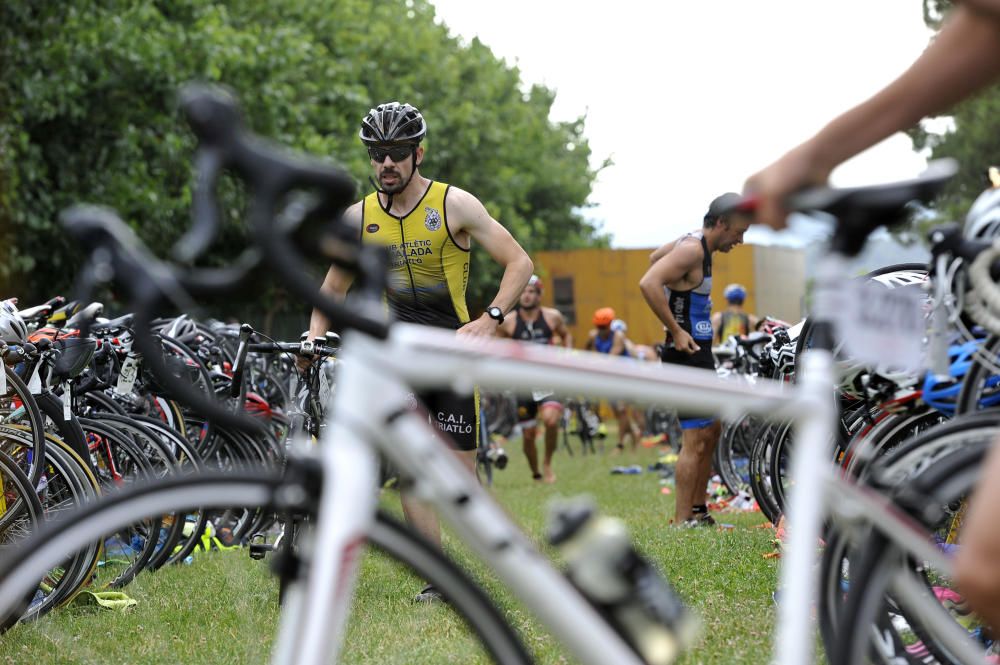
(883, 328)
(67, 401)
(126, 378)
(35, 382)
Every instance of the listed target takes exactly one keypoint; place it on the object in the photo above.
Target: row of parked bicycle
(915, 438)
(82, 415)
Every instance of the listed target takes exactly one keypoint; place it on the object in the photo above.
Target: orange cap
(604, 316)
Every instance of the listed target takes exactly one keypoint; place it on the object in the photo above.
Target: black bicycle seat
(114, 324)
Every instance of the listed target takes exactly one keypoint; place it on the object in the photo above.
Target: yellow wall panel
(610, 278)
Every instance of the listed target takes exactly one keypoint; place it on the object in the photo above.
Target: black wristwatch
(495, 313)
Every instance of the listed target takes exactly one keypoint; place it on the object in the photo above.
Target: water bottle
(624, 587)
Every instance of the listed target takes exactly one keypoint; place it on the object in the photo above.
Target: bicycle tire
(50, 543)
(893, 468)
(25, 511)
(79, 486)
(731, 458)
(160, 454)
(30, 418)
(120, 451)
(866, 611)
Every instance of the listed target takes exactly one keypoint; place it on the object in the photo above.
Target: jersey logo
(372, 228)
(703, 328)
(433, 219)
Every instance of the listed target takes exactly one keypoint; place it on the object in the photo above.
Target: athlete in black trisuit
(540, 325)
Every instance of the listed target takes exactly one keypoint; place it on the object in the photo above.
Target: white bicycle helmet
(983, 219)
(618, 324)
(180, 327)
(12, 328)
(898, 278)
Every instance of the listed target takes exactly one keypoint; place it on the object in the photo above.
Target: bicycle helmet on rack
(618, 324)
(604, 316)
(12, 328)
(897, 278)
(782, 356)
(735, 293)
(982, 222)
(180, 328)
(393, 122)
(942, 394)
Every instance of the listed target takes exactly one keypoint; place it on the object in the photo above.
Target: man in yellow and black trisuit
(428, 227)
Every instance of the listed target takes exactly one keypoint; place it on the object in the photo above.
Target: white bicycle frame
(373, 411)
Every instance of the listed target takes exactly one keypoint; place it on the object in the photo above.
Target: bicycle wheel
(397, 544)
(732, 456)
(892, 467)
(68, 483)
(19, 409)
(20, 512)
(120, 462)
(900, 609)
(760, 483)
(163, 462)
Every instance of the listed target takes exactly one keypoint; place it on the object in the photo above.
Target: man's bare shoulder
(463, 209)
(686, 250)
(353, 216)
(552, 315)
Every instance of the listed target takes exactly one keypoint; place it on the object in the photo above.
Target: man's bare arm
(560, 329)
(668, 269)
(337, 282)
(963, 58)
(717, 327)
(466, 213)
(506, 329)
(617, 344)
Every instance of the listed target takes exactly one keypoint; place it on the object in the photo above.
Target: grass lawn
(223, 607)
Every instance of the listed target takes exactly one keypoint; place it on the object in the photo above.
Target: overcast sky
(689, 98)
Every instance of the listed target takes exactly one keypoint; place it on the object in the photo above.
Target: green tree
(88, 113)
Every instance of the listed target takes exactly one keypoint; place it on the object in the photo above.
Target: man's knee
(700, 441)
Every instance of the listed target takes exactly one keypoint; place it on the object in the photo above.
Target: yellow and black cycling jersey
(429, 271)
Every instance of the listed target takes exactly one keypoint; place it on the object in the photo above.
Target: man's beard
(529, 307)
(399, 186)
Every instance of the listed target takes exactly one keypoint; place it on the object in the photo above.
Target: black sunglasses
(396, 153)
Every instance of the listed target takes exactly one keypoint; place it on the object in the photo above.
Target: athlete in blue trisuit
(678, 287)
(609, 339)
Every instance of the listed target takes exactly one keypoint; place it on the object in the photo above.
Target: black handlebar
(271, 173)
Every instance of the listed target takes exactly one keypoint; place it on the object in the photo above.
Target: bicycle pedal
(258, 551)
